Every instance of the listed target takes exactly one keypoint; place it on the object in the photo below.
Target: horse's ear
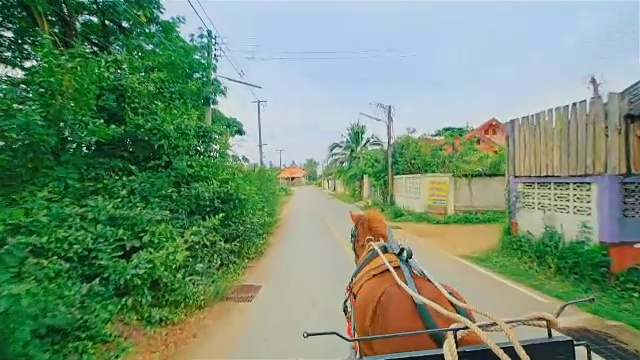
(355, 217)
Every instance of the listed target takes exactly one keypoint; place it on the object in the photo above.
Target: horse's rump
(383, 307)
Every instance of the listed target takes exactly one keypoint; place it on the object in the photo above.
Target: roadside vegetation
(118, 205)
(568, 270)
(398, 214)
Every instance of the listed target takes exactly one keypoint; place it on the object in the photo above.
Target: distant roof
(291, 172)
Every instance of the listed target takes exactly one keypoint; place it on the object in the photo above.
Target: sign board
(438, 195)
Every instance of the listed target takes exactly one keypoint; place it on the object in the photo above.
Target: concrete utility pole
(389, 123)
(280, 151)
(209, 91)
(260, 144)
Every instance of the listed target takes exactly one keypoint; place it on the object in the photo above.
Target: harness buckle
(404, 253)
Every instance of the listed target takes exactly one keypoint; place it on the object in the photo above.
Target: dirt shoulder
(459, 240)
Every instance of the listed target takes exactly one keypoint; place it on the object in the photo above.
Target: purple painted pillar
(609, 205)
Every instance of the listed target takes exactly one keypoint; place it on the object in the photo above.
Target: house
(292, 175)
(489, 137)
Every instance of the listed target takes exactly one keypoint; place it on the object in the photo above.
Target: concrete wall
(424, 192)
(480, 193)
(569, 207)
(442, 193)
(334, 185)
(608, 205)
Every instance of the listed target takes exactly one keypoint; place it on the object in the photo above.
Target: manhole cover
(244, 293)
(602, 343)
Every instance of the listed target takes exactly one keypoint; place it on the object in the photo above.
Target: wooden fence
(573, 140)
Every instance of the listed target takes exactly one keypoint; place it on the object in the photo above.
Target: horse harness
(398, 256)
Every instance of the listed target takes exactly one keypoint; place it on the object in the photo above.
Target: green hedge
(117, 205)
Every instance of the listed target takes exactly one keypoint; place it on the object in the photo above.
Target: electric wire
(228, 54)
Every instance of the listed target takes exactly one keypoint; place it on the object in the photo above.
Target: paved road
(304, 275)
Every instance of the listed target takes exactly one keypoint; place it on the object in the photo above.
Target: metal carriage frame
(550, 347)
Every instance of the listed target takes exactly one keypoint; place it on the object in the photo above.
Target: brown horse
(381, 306)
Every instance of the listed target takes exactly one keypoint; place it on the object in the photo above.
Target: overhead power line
(197, 14)
(302, 52)
(226, 53)
(265, 58)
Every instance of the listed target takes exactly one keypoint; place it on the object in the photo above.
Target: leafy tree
(452, 131)
(352, 146)
(116, 201)
(349, 155)
(311, 167)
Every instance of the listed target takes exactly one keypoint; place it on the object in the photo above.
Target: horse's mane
(376, 223)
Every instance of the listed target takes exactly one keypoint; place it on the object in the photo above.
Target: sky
(439, 64)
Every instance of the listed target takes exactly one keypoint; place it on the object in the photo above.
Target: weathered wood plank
(600, 153)
(589, 146)
(614, 133)
(551, 136)
(581, 119)
(508, 127)
(521, 147)
(524, 121)
(541, 146)
(537, 159)
(622, 151)
(557, 141)
(573, 139)
(564, 149)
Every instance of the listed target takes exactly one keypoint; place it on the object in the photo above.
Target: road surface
(304, 274)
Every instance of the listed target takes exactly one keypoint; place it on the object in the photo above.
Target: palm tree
(352, 147)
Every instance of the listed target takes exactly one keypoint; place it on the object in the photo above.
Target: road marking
(504, 281)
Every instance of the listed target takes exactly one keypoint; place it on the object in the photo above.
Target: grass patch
(567, 271)
(398, 214)
(345, 198)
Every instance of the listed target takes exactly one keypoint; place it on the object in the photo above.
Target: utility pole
(259, 102)
(389, 154)
(280, 151)
(208, 96)
(389, 123)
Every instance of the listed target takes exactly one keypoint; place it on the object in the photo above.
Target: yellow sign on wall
(438, 192)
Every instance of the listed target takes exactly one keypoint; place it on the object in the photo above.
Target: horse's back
(383, 307)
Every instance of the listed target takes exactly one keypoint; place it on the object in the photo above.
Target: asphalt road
(304, 275)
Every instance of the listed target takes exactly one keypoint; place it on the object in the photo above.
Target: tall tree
(353, 145)
(311, 167)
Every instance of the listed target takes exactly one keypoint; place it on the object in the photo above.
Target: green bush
(396, 213)
(580, 260)
(116, 203)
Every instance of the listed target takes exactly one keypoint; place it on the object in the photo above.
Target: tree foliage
(310, 166)
(349, 157)
(116, 201)
(411, 155)
(451, 132)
